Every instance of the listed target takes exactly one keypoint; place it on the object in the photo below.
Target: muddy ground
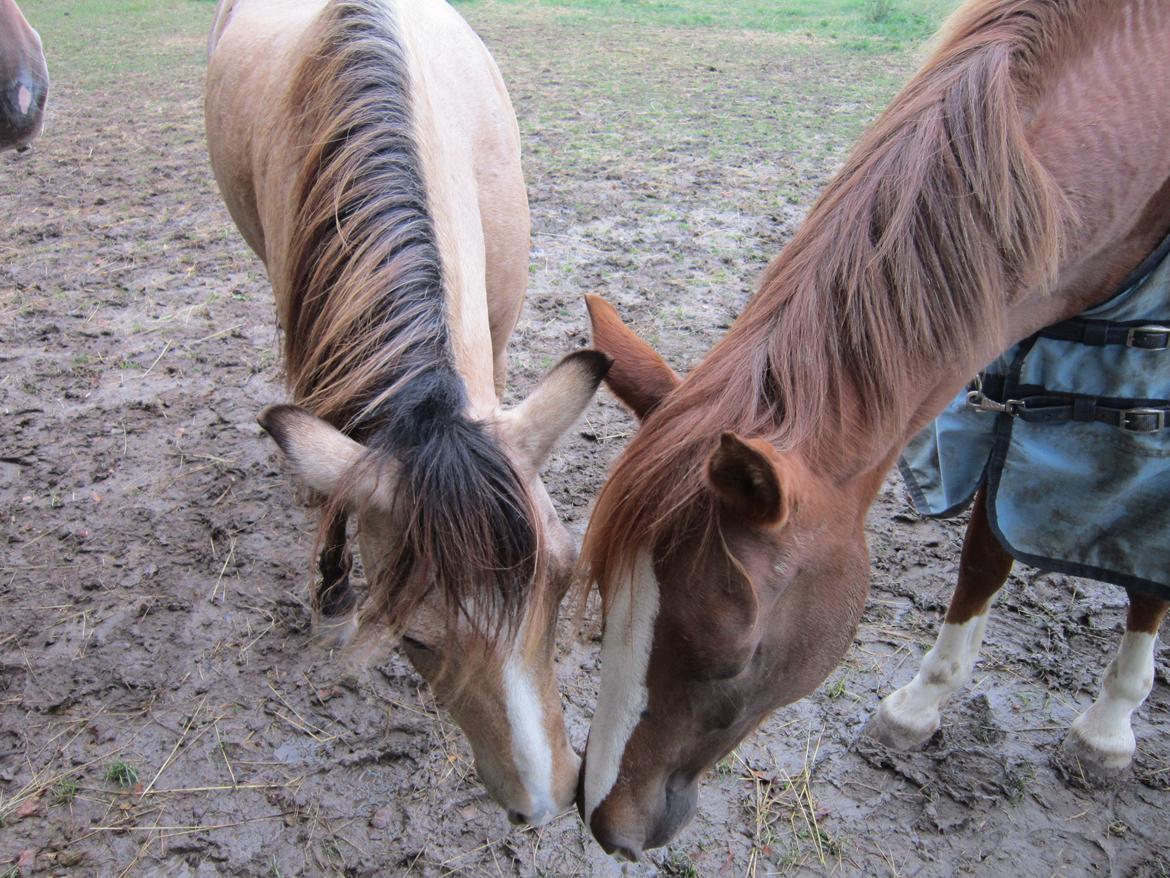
(163, 710)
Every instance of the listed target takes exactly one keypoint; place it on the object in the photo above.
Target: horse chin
(627, 841)
(682, 797)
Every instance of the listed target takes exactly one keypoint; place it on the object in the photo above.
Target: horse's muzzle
(22, 110)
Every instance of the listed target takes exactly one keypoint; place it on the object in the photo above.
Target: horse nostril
(517, 819)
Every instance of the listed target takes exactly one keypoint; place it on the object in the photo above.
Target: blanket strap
(1098, 333)
(1038, 405)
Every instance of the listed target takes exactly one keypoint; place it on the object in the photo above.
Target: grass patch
(122, 774)
(680, 865)
(108, 43)
(65, 791)
(837, 688)
(863, 24)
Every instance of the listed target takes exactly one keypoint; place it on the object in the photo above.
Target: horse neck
(447, 152)
(11, 18)
(16, 42)
(1068, 236)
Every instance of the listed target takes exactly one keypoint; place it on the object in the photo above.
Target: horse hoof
(900, 729)
(334, 632)
(1096, 758)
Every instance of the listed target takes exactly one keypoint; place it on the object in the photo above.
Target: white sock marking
(913, 710)
(1105, 727)
(625, 656)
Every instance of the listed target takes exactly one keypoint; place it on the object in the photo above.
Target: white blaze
(531, 749)
(625, 656)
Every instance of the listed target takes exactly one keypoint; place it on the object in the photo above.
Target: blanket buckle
(1129, 421)
(1151, 337)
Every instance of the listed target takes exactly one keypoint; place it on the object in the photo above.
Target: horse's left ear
(747, 475)
(532, 427)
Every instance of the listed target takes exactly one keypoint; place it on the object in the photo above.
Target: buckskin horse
(1017, 178)
(24, 79)
(369, 154)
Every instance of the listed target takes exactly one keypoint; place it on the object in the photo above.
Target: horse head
(489, 657)
(24, 79)
(733, 578)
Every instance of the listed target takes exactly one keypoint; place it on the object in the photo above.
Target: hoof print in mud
(963, 762)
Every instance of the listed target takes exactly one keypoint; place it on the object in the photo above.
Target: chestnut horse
(24, 79)
(369, 154)
(1017, 178)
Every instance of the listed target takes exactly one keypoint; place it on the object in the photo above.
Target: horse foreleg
(334, 600)
(909, 716)
(1102, 737)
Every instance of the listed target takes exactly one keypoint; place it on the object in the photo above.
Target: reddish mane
(940, 215)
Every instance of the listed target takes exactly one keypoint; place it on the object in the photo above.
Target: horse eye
(415, 644)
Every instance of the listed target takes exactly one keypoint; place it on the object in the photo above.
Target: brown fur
(984, 567)
(939, 215)
(1011, 184)
(1145, 612)
(640, 383)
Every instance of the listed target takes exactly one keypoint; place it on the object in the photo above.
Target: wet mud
(163, 708)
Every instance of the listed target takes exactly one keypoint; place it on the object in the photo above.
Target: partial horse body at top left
(368, 152)
(24, 79)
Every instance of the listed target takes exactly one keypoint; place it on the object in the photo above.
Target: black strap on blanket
(1034, 404)
(1037, 405)
(1141, 335)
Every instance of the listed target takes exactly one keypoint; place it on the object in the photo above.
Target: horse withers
(368, 152)
(1013, 183)
(24, 79)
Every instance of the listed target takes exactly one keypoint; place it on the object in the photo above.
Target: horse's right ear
(638, 377)
(321, 455)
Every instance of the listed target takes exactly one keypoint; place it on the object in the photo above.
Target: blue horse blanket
(1069, 431)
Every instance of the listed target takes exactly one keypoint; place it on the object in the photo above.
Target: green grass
(122, 774)
(858, 24)
(65, 791)
(110, 43)
(680, 865)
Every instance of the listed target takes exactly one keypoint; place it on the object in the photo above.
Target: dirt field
(163, 710)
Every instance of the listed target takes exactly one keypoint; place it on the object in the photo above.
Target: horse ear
(320, 454)
(746, 475)
(533, 427)
(639, 377)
